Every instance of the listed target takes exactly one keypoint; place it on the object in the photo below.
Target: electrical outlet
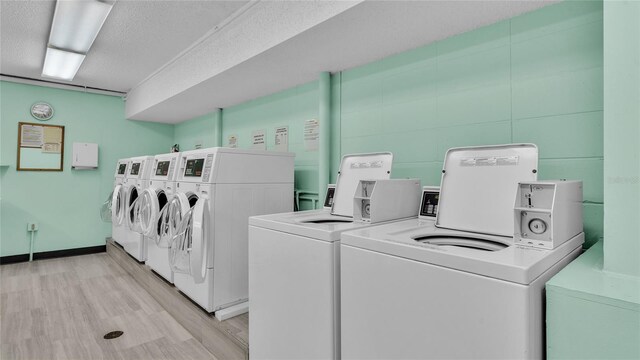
(32, 227)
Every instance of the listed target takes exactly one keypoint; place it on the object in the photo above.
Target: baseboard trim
(14, 259)
(53, 254)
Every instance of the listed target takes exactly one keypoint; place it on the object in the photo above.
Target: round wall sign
(42, 111)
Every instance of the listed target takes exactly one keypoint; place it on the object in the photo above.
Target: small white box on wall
(85, 156)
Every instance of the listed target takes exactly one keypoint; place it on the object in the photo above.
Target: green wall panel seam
(594, 22)
(593, 298)
(511, 77)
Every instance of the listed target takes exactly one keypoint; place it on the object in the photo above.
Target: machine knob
(537, 226)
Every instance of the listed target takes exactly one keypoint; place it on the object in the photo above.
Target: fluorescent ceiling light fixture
(76, 23)
(75, 26)
(61, 64)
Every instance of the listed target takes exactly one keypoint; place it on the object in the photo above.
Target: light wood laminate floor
(62, 308)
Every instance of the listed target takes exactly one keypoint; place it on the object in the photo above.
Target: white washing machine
(217, 190)
(456, 287)
(137, 180)
(294, 270)
(118, 201)
(153, 205)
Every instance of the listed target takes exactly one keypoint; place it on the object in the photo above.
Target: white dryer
(152, 209)
(217, 190)
(118, 201)
(137, 180)
(294, 269)
(456, 287)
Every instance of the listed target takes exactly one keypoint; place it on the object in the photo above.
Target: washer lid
(354, 168)
(479, 184)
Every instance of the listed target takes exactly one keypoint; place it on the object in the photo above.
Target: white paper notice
(257, 140)
(311, 134)
(32, 136)
(232, 141)
(51, 148)
(282, 138)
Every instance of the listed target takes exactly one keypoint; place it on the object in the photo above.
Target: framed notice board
(40, 147)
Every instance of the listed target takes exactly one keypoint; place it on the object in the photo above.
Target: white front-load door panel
(132, 218)
(118, 205)
(181, 224)
(200, 240)
(118, 201)
(293, 296)
(394, 308)
(149, 212)
(133, 240)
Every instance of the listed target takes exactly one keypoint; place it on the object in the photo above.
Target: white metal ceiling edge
(228, 21)
(241, 40)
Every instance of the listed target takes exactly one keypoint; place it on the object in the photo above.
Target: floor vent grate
(113, 335)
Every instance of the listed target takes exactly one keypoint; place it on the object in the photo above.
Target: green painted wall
(593, 305)
(591, 313)
(200, 130)
(288, 108)
(65, 204)
(534, 78)
(622, 126)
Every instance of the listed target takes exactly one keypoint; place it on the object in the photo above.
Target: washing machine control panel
(547, 213)
(386, 199)
(122, 168)
(328, 199)
(135, 168)
(193, 168)
(196, 166)
(162, 168)
(429, 202)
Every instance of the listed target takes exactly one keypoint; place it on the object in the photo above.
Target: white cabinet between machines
(217, 190)
(136, 181)
(458, 286)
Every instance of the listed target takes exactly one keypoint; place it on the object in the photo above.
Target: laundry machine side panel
(392, 307)
(233, 205)
(538, 297)
(292, 313)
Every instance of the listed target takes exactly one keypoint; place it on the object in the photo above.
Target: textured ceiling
(178, 59)
(137, 38)
(361, 34)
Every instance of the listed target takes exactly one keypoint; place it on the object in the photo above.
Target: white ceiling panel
(137, 38)
(178, 59)
(366, 32)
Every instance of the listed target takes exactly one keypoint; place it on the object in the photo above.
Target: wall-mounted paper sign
(40, 147)
(232, 141)
(311, 134)
(51, 148)
(282, 138)
(31, 136)
(257, 140)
